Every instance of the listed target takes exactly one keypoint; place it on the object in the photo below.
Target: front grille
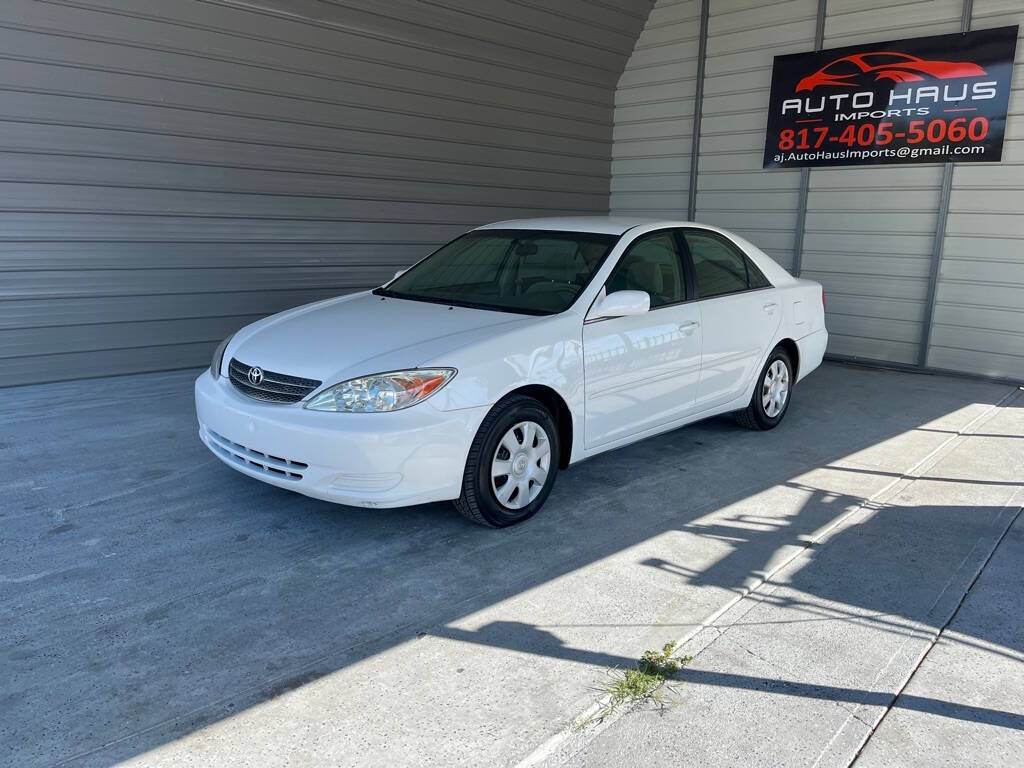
(275, 466)
(275, 387)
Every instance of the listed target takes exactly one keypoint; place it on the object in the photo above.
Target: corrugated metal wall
(174, 170)
(732, 190)
(978, 325)
(654, 114)
(869, 232)
(650, 175)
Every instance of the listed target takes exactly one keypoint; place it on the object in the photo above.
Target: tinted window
(720, 267)
(756, 278)
(532, 271)
(652, 265)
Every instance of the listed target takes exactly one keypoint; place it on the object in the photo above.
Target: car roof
(608, 225)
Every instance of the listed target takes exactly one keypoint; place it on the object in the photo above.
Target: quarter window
(652, 265)
(719, 267)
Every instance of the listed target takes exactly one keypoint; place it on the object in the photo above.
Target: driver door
(642, 371)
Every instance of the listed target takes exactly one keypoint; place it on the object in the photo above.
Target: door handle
(769, 307)
(689, 328)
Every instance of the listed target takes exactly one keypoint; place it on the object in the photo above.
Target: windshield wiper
(387, 293)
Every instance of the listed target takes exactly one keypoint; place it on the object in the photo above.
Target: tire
(757, 415)
(530, 468)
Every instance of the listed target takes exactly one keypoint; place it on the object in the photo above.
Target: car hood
(359, 334)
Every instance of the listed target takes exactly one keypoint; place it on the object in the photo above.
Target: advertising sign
(923, 100)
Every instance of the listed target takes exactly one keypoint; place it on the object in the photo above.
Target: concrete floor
(160, 608)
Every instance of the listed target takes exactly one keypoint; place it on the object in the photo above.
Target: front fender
(547, 354)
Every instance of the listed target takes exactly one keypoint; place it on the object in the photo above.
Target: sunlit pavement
(159, 607)
(805, 670)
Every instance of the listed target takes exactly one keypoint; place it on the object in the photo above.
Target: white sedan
(512, 352)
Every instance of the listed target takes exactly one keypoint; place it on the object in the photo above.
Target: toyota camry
(510, 353)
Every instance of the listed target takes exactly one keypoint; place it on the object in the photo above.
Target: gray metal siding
(732, 189)
(172, 171)
(869, 232)
(654, 114)
(978, 324)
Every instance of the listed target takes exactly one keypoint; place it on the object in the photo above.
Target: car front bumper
(412, 456)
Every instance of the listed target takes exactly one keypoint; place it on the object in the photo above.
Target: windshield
(535, 272)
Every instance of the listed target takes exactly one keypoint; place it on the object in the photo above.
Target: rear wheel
(512, 464)
(771, 396)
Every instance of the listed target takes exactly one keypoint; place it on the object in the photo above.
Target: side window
(719, 267)
(651, 264)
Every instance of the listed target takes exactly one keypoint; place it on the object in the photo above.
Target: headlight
(382, 392)
(218, 357)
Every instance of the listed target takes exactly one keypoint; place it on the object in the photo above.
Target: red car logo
(856, 70)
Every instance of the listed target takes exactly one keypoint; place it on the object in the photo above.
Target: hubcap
(775, 389)
(520, 465)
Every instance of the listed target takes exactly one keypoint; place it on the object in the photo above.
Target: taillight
(822, 299)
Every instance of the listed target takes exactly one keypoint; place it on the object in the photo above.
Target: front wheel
(512, 464)
(770, 400)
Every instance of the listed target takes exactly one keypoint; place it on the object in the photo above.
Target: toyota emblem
(255, 376)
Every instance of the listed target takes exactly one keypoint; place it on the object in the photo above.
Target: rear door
(739, 315)
(642, 371)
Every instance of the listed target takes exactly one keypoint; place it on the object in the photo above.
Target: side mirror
(399, 273)
(620, 304)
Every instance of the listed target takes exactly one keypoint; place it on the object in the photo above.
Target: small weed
(645, 682)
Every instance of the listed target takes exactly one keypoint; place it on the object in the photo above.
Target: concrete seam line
(938, 635)
(548, 747)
